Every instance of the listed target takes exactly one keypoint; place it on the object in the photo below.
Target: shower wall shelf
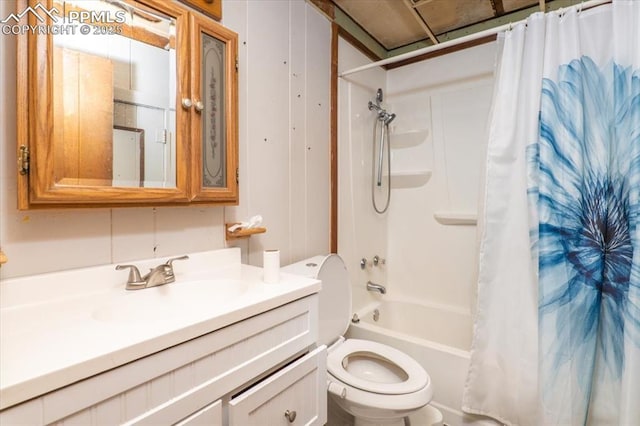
(409, 178)
(408, 138)
(456, 218)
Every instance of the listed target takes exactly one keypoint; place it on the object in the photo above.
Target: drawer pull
(290, 415)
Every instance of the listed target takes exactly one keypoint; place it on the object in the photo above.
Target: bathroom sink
(165, 302)
(85, 322)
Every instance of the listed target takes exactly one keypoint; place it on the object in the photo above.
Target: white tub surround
(60, 328)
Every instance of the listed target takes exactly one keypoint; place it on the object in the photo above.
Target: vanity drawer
(297, 394)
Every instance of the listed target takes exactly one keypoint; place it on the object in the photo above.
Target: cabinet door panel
(214, 121)
(299, 388)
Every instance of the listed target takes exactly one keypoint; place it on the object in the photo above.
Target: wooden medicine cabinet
(125, 102)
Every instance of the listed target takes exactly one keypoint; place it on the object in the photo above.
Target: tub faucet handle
(363, 263)
(378, 260)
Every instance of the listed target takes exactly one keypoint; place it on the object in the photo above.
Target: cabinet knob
(290, 415)
(186, 103)
(199, 106)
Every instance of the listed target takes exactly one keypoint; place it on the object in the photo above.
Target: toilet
(375, 383)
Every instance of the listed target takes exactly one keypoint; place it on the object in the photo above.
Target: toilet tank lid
(335, 295)
(307, 268)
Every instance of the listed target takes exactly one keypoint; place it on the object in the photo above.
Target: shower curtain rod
(461, 40)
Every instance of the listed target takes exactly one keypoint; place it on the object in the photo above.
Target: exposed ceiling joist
(421, 22)
(418, 3)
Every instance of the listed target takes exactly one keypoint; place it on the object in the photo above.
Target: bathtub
(438, 338)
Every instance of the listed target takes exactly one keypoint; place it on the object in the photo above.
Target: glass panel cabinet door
(214, 124)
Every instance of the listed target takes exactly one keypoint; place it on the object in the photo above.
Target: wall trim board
(335, 31)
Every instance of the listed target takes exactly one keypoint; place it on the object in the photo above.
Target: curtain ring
(580, 7)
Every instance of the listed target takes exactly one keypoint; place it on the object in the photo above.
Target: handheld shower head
(382, 113)
(389, 118)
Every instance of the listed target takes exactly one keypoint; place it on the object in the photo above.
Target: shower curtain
(557, 328)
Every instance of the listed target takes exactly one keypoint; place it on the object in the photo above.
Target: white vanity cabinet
(258, 370)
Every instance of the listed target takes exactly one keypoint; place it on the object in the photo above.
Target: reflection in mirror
(213, 124)
(114, 98)
(128, 156)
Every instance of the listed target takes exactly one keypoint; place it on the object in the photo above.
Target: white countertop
(58, 328)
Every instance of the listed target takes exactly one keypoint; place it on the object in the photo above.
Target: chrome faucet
(376, 287)
(160, 275)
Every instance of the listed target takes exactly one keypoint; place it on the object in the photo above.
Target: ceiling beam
(418, 3)
(420, 21)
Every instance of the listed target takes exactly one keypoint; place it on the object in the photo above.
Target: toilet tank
(335, 295)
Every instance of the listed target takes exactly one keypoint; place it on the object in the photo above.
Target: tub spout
(376, 287)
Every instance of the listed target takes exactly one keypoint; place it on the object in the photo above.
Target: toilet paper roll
(271, 266)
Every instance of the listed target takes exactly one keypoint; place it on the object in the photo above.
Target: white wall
(284, 76)
(447, 99)
(284, 97)
(361, 231)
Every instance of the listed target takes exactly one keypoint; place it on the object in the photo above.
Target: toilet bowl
(375, 383)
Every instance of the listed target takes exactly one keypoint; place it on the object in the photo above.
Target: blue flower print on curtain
(588, 202)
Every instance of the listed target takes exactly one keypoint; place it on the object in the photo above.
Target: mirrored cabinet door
(214, 124)
(102, 117)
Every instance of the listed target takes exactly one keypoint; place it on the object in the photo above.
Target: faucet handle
(134, 274)
(170, 261)
(168, 268)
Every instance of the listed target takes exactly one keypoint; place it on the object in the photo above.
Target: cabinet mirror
(112, 106)
(107, 79)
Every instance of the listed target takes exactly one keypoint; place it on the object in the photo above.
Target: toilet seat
(417, 376)
(393, 403)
